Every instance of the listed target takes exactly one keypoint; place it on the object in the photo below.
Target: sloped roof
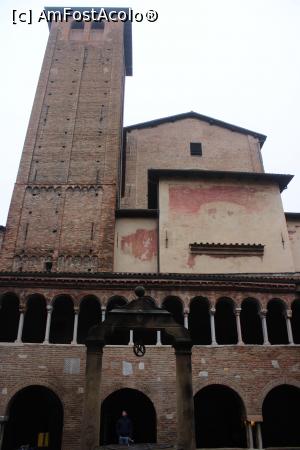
(194, 115)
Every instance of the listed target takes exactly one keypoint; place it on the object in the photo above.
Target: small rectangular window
(196, 148)
(76, 25)
(97, 25)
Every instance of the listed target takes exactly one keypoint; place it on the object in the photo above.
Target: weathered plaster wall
(293, 226)
(167, 146)
(224, 212)
(136, 245)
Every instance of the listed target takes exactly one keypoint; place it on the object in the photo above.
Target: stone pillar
(186, 319)
(259, 441)
(92, 404)
(212, 312)
(263, 315)
(238, 325)
(75, 328)
(48, 324)
(3, 420)
(158, 337)
(103, 313)
(288, 317)
(21, 324)
(131, 341)
(185, 400)
(249, 433)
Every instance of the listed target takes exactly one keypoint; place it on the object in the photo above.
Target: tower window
(97, 25)
(196, 148)
(76, 25)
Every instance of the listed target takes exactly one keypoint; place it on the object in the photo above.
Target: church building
(177, 215)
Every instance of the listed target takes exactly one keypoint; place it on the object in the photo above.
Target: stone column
(263, 315)
(259, 441)
(158, 337)
(21, 324)
(75, 328)
(212, 312)
(186, 318)
(92, 404)
(185, 400)
(249, 433)
(3, 420)
(131, 341)
(238, 325)
(48, 324)
(288, 317)
(103, 313)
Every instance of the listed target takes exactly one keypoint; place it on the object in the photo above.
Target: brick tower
(62, 209)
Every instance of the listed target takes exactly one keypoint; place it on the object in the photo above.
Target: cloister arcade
(65, 319)
(220, 417)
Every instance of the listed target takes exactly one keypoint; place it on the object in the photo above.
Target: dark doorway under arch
(9, 317)
(199, 321)
(276, 322)
(139, 408)
(62, 321)
(251, 322)
(281, 417)
(119, 337)
(34, 410)
(225, 322)
(296, 321)
(89, 315)
(175, 307)
(219, 418)
(35, 319)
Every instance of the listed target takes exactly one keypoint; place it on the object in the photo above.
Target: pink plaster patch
(142, 244)
(190, 200)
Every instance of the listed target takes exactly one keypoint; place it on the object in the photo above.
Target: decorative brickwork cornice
(107, 280)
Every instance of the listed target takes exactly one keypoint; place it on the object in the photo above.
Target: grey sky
(234, 60)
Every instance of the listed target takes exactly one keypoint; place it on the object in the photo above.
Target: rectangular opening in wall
(76, 25)
(97, 25)
(196, 148)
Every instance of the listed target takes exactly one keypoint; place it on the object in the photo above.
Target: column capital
(288, 313)
(49, 308)
(263, 312)
(22, 309)
(76, 309)
(212, 310)
(237, 311)
(186, 311)
(4, 419)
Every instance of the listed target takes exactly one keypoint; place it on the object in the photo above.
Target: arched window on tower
(35, 319)
(251, 322)
(89, 315)
(225, 322)
(199, 321)
(276, 322)
(174, 305)
(9, 317)
(62, 320)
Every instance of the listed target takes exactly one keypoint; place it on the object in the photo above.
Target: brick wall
(250, 370)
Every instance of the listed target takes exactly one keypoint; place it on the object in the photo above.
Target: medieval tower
(179, 205)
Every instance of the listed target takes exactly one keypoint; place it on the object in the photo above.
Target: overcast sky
(234, 60)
